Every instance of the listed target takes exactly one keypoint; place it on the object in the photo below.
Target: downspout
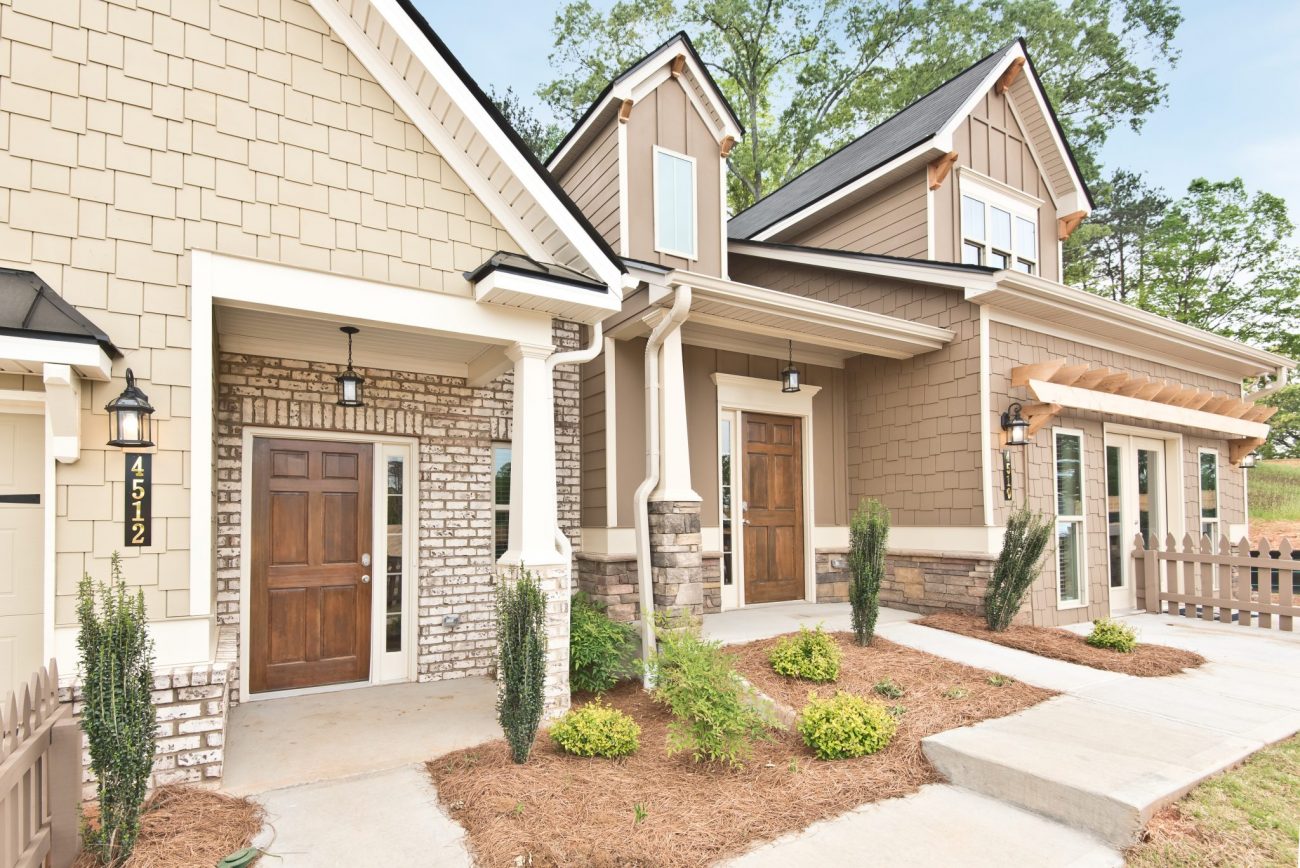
(573, 357)
(641, 500)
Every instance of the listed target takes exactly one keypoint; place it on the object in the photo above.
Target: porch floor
(277, 743)
(773, 619)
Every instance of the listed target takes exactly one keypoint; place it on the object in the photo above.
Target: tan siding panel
(891, 222)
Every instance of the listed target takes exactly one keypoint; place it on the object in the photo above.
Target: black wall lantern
(1015, 426)
(790, 376)
(350, 382)
(1248, 460)
(130, 416)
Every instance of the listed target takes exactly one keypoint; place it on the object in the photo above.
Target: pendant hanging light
(350, 382)
(790, 376)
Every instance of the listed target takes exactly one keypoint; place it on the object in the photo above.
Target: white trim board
(1102, 402)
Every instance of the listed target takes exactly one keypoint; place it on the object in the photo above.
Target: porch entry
(22, 529)
(772, 509)
(1136, 502)
(312, 533)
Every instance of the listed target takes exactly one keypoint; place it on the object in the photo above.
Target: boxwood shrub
(595, 729)
(845, 726)
(1112, 635)
(812, 655)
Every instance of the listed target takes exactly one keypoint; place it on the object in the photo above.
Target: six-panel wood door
(773, 508)
(310, 612)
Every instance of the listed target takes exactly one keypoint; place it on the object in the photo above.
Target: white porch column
(533, 512)
(674, 448)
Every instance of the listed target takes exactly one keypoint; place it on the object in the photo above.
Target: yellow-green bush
(845, 726)
(1112, 635)
(812, 654)
(595, 729)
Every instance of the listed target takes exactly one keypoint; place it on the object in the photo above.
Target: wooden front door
(311, 534)
(773, 508)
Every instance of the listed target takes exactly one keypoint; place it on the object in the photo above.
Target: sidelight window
(395, 548)
(1068, 459)
(501, 496)
(1210, 495)
(727, 480)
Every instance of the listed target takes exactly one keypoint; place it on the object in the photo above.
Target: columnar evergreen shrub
(597, 730)
(868, 538)
(600, 649)
(1112, 635)
(117, 715)
(812, 655)
(1017, 566)
(845, 726)
(717, 715)
(521, 659)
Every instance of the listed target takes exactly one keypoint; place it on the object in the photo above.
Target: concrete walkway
(773, 619)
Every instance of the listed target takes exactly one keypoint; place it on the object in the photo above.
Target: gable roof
(929, 121)
(29, 307)
(700, 82)
(415, 67)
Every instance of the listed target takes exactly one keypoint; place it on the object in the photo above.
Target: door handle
(365, 559)
(365, 580)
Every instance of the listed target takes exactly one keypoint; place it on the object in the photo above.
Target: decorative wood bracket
(625, 111)
(1239, 449)
(938, 170)
(679, 63)
(1008, 78)
(1066, 225)
(728, 143)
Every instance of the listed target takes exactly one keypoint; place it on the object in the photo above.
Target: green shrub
(813, 655)
(118, 715)
(718, 718)
(1112, 635)
(845, 726)
(1016, 568)
(599, 649)
(521, 659)
(888, 688)
(868, 539)
(595, 729)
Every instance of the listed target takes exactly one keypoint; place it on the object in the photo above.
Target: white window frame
(1017, 207)
(498, 508)
(1201, 520)
(730, 594)
(1081, 519)
(693, 253)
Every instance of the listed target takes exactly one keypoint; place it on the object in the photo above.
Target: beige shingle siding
(892, 221)
(592, 182)
(129, 136)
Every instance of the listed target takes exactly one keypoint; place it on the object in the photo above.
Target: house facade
(572, 367)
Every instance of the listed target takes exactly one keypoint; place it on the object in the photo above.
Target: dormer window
(674, 183)
(997, 230)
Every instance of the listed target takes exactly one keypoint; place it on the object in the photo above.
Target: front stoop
(1091, 765)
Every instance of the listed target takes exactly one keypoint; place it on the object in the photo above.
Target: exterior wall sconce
(130, 417)
(350, 382)
(1015, 426)
(790, 376)
(1248, 460)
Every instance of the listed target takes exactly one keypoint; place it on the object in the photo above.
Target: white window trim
(693, 254)
(730, 594)
(996, 195)
(1081, 519)
(498, 508)
(1218, 496)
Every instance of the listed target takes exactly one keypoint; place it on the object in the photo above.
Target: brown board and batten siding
(595, 455)
(591, 180)
(892, 221)
(1011, 346)
(667, 118)
(991, 142)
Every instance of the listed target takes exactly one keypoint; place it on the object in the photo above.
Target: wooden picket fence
(40, 775)
(1220, 582)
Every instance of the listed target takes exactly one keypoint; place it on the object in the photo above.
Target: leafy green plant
(639, 813)
(521, 659)
(812, 655)
(956, 693)
(600, 649)
(717, 717)
(595, 729)
(1016, 568)
(118, 715)
(868, 539)
(896, 711)
(845, 726)
(1112, 635)
(888, 688)
(999, 680)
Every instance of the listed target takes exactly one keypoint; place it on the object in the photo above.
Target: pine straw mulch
(563, 810)
(183, 827)
(1146, 660)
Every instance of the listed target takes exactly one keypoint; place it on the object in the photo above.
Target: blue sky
(1233, 108)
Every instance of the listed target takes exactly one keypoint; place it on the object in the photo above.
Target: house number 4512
(139, 498)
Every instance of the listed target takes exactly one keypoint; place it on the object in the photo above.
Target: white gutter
(573, 357)
(641, 500)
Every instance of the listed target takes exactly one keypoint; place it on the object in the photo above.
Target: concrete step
(1091, 765)
(938, 825)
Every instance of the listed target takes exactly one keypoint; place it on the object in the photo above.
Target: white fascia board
(89, 359)
(359, 42)
(588, 305)
(917, 273)
(654, 72)
(1121, 405)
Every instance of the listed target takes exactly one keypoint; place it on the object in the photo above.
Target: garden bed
(188, 826)
(564, 810)
(1145, 661)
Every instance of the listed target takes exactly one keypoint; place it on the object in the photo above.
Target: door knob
(365, 580)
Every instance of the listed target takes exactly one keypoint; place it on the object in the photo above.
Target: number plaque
(139, 498)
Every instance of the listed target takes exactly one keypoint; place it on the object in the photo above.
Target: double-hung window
(998, 231)
(501, 496)
(1070, 542)
(1210, 495)
(674, 183)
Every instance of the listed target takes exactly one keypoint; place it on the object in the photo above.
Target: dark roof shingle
(29, 307)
